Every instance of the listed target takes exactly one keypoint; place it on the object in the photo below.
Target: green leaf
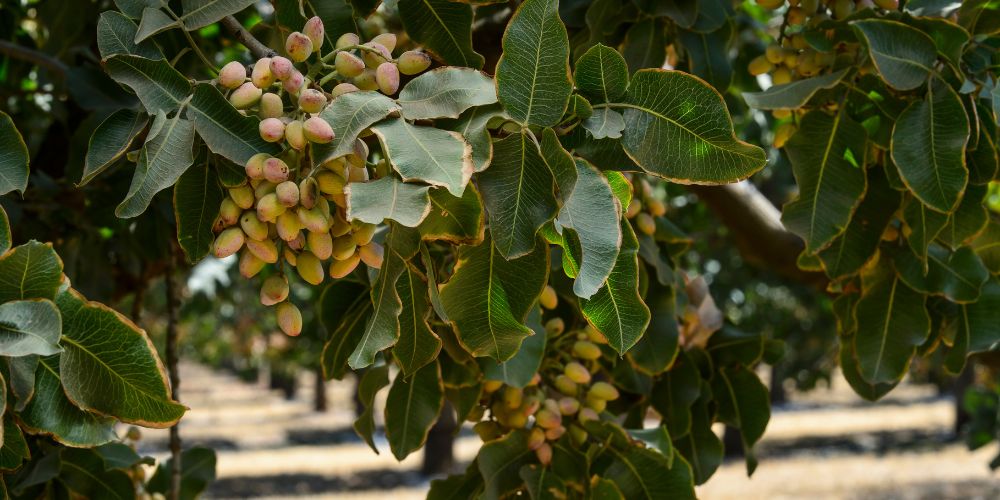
(518, 194)
(51, 413)
(5, 238)
(197, 472)
(116, 34)
(743, 402)
(118, 455)
(373, 380)
(701, 447)
(892, 321)
(533, 80)
(83, 472)
(163, 159)
(411, 408)
(15, 449)
(655, 438)
(645, 46)
(674, 393)
(601, 74)
(153, 21)
(133, 8)
(456, 220)
(617, 309)
(560, 163)
(473, 127)
(446, 93)
(350, 114)
(109, 365)
(437, 157)
(201, 13)
(857, 244)
(958, 275)
(975, 327)
(443, 27)
(605, 489)
(924, 224)
(29, 327)
(677, 127)
(592, 212)
(656, 350)
(928, 147)
(457, 487)
(644, 473)
(387, 198)
(488, 297)
(987, 246)
(111, 140)
(225, 130)
(418, 344)
(13, 157)
(382, 329)
(849, 367)
(904, 56)
(830, 185)
(793, 95)
(605, 123)
(158, 85)
(344, 308)
(541, 482)
(708, 55)
(520, 369)
(197, 196)
(338, 17)
(30, 271)
(968, 220)
(22, 379)
(500, 462)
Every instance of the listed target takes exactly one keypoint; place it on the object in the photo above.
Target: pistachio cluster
(645, 208)
(292, 211)
(559, 399)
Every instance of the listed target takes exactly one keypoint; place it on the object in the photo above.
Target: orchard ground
(825, 444)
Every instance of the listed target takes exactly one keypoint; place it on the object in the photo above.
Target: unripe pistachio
(269, 208)
(294, 135)
(759, 65)
(348, 65)
(310, 268)
(320, 244)
(603, 390)
(343, 247)
(412, 62)
(387, 40)
(242, 196)
(298, 46)
(329, 182)
(547, 419)
(555, 326)
(646, 223)
(275, 170)
(487, 430)
(288, 226)
(281, 67)
(517, 420)
(552, 405)
(232, 75)
(387, 77)
(314, 30)
(261, 75)
(633, 208)
(565, 385)
(549, 299)
(274, 290)
(343, 88)
(366, 80)
(270, 106)
(596, 404)
(377, 54)
(272, 129)
(587, 414)
(308, 192)
(288, 193)
(363, 232)
(888, 4)
(255, 165)
(372, 254)
(264, 250)
(311, 101)
(555, 433)
(289, 319)
(783, 133)
(341, 268)
(585, 349)
(347, 40)
(263, 188)
(781, 76)
(294, 82)
(250, 265)
(569, 406)
(245, 96)
(229, 212)
(313, 219)
(656, 207)
(544, 454)
(298, 243)
(577, 372)
(317, 130)
(357, 173)
(252, 226)
(228, 242)
(536, 438)
(512, 397)
(774, 53)
(595, 336)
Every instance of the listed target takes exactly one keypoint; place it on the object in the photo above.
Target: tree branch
(39, 58)
(756, 226)
(258, 49)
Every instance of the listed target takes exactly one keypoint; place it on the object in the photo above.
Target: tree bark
(319, 393)
(258, 49)
(439, 455)
(958, 388)
(175, 377)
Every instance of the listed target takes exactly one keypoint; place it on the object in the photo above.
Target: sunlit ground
(825, 444)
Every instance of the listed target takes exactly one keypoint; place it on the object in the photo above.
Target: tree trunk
(319, 395)
(778, 394)
(439, 455)
(732, 442)
(958, 388)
